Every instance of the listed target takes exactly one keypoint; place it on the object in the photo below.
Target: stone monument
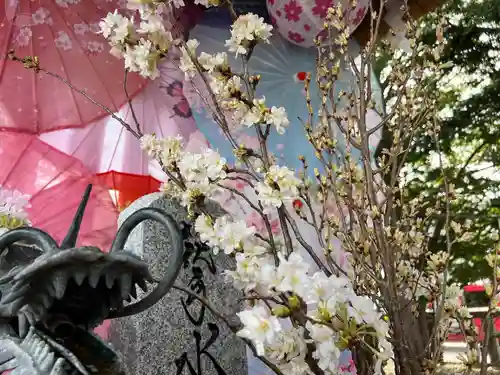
(177, 336)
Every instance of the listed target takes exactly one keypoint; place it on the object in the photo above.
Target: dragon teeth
(59, 283)
(133, 292)
(45, 300)
(48, 362)
(94, 277)
(142, 284)
(125, 285)
(39, 352)
(110, 279)
(30, 317)
(23, 324)
(50, 289)
(42, 353)
(59, 367)
(79, 276)
(39, 348)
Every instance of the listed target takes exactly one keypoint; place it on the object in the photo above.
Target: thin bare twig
(131, 107)
(104, 108)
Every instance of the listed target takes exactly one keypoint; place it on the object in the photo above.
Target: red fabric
(129, 186)
(56, 183)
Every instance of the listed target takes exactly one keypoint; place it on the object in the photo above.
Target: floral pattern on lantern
(301, 21)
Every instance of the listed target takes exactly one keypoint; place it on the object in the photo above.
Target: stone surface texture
(150, 343)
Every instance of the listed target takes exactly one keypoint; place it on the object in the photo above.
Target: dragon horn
(70, 239)
(175, 261)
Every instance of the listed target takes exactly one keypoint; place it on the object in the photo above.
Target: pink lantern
(301, 21)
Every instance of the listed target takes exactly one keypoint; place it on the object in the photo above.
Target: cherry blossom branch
(264, 217)
(305, 245)
(33, 63)
(131, 107)
(87, 96)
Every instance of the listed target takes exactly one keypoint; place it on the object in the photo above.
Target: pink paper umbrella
(63, 35)
(55, 183)
(114, 154)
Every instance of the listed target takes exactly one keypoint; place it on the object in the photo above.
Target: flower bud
(294, 302)
(281, 312)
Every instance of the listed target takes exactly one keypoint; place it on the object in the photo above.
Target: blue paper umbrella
(283, 68)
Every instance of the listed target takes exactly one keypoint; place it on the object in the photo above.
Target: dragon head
(62, 292)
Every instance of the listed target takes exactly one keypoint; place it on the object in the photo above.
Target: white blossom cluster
(199, 173)
(329, 303)
(292, 304)
(143, 46)
(232, 96)
(202, 173)
(246, 31)
(13, 205)
(332, 306)
(140, 45)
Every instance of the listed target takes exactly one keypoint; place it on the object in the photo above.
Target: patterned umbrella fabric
(301, 21)
(54, 183)
(63, 35)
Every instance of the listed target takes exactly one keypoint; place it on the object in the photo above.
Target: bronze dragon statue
(53, 296)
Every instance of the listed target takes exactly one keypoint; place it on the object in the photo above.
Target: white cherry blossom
(278, 118)
(116, 27)
(247, 30)
(292, 274)
(259, 326)
(14, 203)
(280, 186)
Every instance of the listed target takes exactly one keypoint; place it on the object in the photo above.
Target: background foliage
(469, 99)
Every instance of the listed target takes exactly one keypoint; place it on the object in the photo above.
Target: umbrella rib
(85, 138)
(87, 58)
(115, 148)
(276, 56)
(58, 213)
(77, 107)
(116, 106)
(21, 154)
(53, 178)
(34, 80)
